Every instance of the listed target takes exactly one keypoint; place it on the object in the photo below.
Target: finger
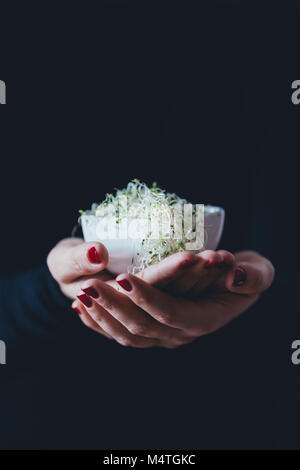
(161, 306)
(162, 273)
(113, 327)
(195, 317)
(87, 319)
(70, 260)
(227, 258)
(251, 277)
(179, 273)
(121, 307)
(71, 290)
(177, 342)
(210, 266)
(212, 313)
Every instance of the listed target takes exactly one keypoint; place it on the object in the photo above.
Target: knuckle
(167, 318)
(125, 341)
(209, 253)
(180, 342)
(203, 330)
(142, 299)
(226, 256)
(97, 317)
(107, 304)
(186, 257)
(177, 342)
(138, 329)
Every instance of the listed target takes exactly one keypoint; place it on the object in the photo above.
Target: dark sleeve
(32, 308)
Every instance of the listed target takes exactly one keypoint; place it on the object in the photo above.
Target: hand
(142, 315)
(72, 260)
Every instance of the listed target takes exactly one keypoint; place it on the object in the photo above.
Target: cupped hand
(190, 294)
(72, 261)
(174, 309)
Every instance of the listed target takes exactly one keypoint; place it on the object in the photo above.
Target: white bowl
(122, 251)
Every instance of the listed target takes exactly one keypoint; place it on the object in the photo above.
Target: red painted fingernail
(91, 292)
(85, 300)
(77, 310)
(93, 256)
(240, 277)
(125, 284)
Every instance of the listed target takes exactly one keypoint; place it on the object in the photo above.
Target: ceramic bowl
(122, 251)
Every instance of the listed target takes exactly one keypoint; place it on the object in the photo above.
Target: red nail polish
(93, 256)
(240, 277)
(125, 284)
(85, 300)
(77, 310)
(91, 292)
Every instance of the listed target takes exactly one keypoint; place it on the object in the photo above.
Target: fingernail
(125, 284)
(77, 310)
(85, 300)
(91, 292)
(240, 277)
(93, 256)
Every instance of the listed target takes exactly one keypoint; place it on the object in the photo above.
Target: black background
(196, 96)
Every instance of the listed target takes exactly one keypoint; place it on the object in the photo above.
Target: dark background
(196, 96)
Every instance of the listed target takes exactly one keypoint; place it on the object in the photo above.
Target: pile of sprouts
(147, 204)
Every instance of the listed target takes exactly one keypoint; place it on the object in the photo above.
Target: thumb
(69, 260)
(250, 277)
